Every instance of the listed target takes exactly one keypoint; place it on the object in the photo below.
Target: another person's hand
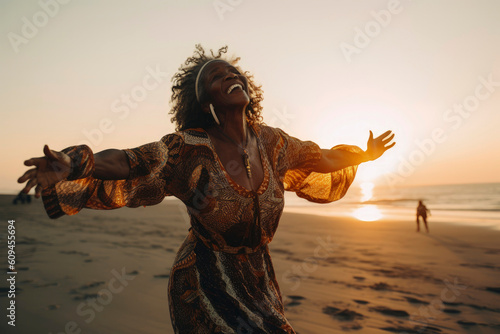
(376, 147)
(50, 169)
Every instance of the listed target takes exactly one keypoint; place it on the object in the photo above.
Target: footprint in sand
(294, 297)
(162, 276)
(493, 289)
(90, 285)
(416, 329)
(380, 286)
(74, 252)
(466, 323)
(342, 315)
(415, 300)
(281, 251)
(451, 311)
(474, 306)
(362, 302)
(86, 296)
(295, 300)
(388, 311)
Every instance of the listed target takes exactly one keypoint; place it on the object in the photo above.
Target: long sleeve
(295, 162)
(154, 172)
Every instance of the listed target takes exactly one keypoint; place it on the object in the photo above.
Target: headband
(198, 78)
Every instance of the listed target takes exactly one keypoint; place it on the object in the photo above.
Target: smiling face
(225, 87)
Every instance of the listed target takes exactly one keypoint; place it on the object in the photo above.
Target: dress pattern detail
(222, 280)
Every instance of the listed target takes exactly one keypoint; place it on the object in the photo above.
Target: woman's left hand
(376, 147)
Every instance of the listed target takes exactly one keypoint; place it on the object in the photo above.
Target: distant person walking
(22, 197)
(422, 212)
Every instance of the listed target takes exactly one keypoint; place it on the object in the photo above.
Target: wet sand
(107, 272)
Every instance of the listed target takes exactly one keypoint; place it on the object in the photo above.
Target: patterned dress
(222, 280)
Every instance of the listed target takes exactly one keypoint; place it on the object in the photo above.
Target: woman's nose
(231, 76)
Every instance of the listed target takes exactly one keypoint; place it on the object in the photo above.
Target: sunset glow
(106, 81)
(367, 213)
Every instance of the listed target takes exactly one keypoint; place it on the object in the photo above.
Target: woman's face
(225, 85)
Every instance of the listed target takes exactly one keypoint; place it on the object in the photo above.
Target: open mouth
(233, 87)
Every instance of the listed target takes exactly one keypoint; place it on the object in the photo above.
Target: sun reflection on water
(366, 191)
(367, 212)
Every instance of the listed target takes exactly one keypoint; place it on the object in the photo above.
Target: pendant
(246, 161)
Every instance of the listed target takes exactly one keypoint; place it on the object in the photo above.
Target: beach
(107, 272)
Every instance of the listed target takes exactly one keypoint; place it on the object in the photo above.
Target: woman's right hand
(376, 147)
(53, 167)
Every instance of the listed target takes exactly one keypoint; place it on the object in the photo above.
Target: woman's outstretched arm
(333, 160)
(111, 164)
(56, 166)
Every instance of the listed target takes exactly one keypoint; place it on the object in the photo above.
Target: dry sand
(107, 272)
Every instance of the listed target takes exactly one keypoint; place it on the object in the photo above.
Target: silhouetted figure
(22, 197)
(422, 212)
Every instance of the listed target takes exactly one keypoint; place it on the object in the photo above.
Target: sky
(99, 73)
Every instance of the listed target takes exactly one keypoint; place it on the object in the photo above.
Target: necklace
(244, 155)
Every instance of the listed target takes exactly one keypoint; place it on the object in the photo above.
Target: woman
(230, 170)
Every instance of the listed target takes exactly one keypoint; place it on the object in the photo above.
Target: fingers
(388, 147)
(29, 174)
(52, 155)
(388, 139)
(31, 183)
(379, 145)
(38, 191)
(33, 161)
(32, 175)
(385, 134)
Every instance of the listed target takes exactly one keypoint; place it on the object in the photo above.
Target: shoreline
(403, 215)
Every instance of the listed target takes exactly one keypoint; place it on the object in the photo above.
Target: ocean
(471, 204)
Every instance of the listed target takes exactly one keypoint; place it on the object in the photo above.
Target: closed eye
(216, 77)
